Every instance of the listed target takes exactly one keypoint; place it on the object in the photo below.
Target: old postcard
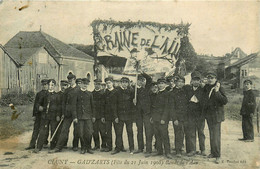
(120, 84)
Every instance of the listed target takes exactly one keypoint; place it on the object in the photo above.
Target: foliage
(17, 99)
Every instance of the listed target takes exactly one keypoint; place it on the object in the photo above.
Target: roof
(244, 60)
(238, 53)
(24, 44)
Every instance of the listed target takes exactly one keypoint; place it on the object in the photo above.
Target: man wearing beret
(110, 112)
(160, 118)
(178, 110)
(85, 115)
(69, 112)
(196, 120)
(247, 111)
(215, 99)
(98, 125)
(143, 113)
(37, 114)
(124, 115)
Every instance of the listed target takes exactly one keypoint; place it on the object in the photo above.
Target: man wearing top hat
(143, 113)
(98, 125)
(85, 115)
(160, 118)
(196, 119)
(124, 115)
(69, 112)
(215, 99)
(110, 110)
(37, 114)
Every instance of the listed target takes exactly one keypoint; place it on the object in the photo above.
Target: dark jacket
(125, 104)
(213, 108)
(159, 106)
(194, 109)
(143, 98)
(50, 104)
(110, 112)
(39, 96)
(248, 104)
(70, 102)
(99, 103)
(178, 104)
(85, 105)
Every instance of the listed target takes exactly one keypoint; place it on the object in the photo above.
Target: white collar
(123, 88)
(97, 90)
(83, 89)
(73, 86)
(51, 91)
(194, 88)
(162, 89)
(110, 89)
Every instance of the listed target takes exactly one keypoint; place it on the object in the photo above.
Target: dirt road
(235, 154)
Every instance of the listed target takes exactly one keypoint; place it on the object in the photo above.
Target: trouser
(141, 121)
(85, 133)
(162, 137)
(247, 127)
(36, 130)
(64, 132)
(200, 125)
(215, 137)
(44, 129)
(108, 134)
(119, 133)
(75, 142)
(99, 128)
(188, 130)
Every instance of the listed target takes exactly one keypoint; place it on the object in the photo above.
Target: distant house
(29, 57)
(244, 68)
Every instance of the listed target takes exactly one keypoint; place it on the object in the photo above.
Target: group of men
(95, 113)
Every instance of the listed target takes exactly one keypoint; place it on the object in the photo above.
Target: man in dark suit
(177, 103)
(37, 114)
(85, 115)
(247, 111)
(99, 126)
(124, 115)
(160, 118)
(143, 113)
(196, 119)
(69, 113)
(215, 99)
(109, 112)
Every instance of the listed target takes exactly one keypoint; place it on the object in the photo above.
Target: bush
(17, 99)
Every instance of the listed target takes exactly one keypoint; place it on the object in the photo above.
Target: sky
(217, 27)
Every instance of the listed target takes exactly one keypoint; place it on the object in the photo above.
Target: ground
(235, 154)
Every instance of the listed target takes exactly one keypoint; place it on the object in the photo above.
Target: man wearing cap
(160, 118)
(99, 126)
(179, 114)
(85, 115)
(247, 111)
(78, 81)
(124, 115)
(215, 99)
(196, 120)
(171, 86)
(50, 116)
(143, 113)
(109, 112)
(37, 114)
(69, 112)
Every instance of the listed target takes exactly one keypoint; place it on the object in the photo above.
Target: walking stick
(56, 129)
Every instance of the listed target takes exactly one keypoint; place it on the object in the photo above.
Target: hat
(78, 80)
(249, 81)
(211, 73)
(134, 50)
(161, 80)
(103, 83)
(179, 77)
(98, 81)
(196, 75)
(109, 79)
(52, 80)
(169, 78)
(154, 83)
(85, 80)
(44, 81)
(71, 76)
(64, 82)
(141, 78)
(124, 79)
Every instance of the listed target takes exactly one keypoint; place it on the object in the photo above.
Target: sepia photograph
(129, 84)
